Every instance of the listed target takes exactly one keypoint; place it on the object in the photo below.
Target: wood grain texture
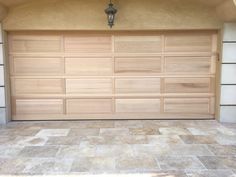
(38, 106)
(88, 106)
(88, 66)
(113, 75)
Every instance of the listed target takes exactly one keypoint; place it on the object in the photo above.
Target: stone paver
(161, 148)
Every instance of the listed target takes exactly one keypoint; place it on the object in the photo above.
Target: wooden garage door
(107, 75)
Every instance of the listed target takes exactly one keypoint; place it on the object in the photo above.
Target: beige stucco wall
(3, 11)
(227, 11)
(132, 15)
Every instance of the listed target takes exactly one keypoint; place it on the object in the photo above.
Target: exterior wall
(228, 80)
(2, 82)
(132, 15)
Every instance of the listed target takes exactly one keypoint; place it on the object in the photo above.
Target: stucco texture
(132, 15)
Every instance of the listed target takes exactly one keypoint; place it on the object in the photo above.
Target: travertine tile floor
(151, 148)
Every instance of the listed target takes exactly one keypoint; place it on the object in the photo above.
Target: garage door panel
(37, 86)
(188, 43)
(37, 66)
(137, 105)
(137, 65)
(138, 44)
(79, 75)
(187, 105)
(39, 106)
(137, 85)
(89, 66)
(89, 86)
(88, 106)
(187, 85)
(88, 44)
(36, 43)
(188, 65)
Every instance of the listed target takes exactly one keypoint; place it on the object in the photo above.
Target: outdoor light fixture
(110, 11)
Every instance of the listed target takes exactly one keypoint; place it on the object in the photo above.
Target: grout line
(228, 63)
(228, 84)
(229, 42)
(228, 105)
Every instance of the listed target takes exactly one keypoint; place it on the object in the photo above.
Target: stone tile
(76, 151)
(198, 139)
(39, 151)
(218, 162)
(136, 163)
(84, 132)
(220, 150)
(203, 131)
(129, 124)
(12, 166)
(189, 149)
(151, 149)
(32, 141)
(94, 164)
(53, 132)
(18, 132)
(115, 140)
(9, 151)
(113, 150)
(179, 163)
(226, 131)
(164, 139)
(144, 131)
(174, 131)
(225, 139)
(169, 173)
(210, 173)
(64, 140)
(114, 131)
(43, 166)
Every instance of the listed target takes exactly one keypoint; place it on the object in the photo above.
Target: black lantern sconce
(111, 12)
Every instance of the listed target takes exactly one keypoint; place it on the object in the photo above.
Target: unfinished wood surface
(187, 105)
(37, 66)
(137, 85)
(137, 105)
(88, 106)
(37, 86)
(187, 85)
(137, 44)
(113, 75)
(89, 66)
(188, 43)
(138, 65)
(35, 43)
(38, 106)
(88, 44)
(188, 64)
(89, 86)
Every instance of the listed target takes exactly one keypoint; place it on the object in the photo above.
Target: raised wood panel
(88, 44)
(137, 44)
(39, 106)
(137, 85)
(88, 106)
(188, 43)
(187, 105)
(89, 66)
(89, 86)
(35, 43)
(137, 105)
(188, 65)
(187, 85)
(37, 66)
(37, 86)
(137, 65)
